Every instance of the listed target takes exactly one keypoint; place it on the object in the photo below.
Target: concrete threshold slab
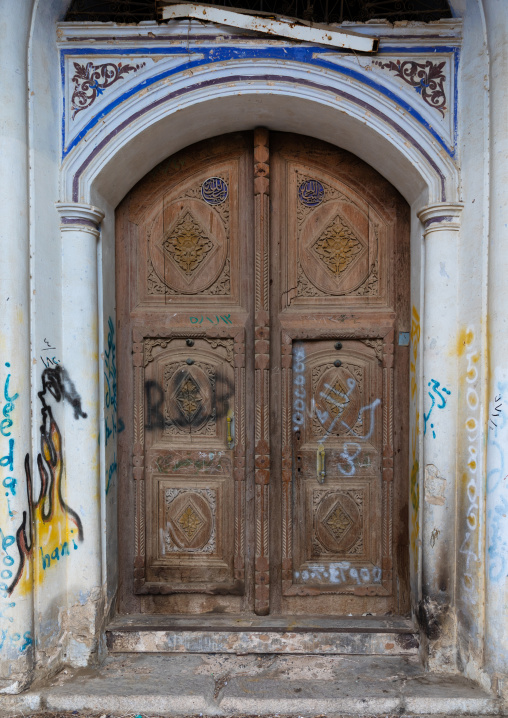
(318, 635)
(229, 685)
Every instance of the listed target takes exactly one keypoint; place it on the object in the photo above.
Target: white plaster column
(16, 602)
(439, 416)
(80, 357)
(496, 614)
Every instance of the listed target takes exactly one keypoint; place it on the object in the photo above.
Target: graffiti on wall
(467, 345)
(111, 424)
(56, 525)
(9, 637)
(438, 397)
(497, 489)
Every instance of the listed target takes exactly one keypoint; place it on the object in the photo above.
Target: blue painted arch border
(308, 55)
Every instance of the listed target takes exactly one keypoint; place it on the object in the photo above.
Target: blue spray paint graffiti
(435, 393)
(497, 485)
(7, 636)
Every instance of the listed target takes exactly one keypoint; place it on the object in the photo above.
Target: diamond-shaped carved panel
(337, 247)
(338, 395)
(190, 518)
(335, 252)
(188, 247)
(188, 244)
(188, 398)
(338, 520)
(190, 521)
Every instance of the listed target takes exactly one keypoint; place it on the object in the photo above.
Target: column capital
(82, 217)
(441, 216)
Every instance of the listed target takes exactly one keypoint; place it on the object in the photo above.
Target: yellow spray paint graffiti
(57, 527)
(415, 341)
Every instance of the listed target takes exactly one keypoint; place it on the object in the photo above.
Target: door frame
(100, 173)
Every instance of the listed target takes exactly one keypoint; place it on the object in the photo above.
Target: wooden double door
(262, 292)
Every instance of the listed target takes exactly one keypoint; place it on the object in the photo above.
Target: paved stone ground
(207, 686)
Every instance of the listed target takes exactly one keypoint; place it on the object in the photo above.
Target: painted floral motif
(91, 80)
(426, 77)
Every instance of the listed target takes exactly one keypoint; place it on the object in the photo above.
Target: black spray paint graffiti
(52, 518)
(497, 411)
(190, 409)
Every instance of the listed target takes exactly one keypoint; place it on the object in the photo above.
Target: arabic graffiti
(311, 193)
(91, 80)
(435, 393)
(226, 318)
(496, 412)
(57, 526)
(49, 360)
(214, 190)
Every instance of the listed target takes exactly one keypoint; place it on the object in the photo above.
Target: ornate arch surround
(193, 92)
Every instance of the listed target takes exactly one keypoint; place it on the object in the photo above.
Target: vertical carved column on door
(262, 364)
(138, 461)
(387, 485)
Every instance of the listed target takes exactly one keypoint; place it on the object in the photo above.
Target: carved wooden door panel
(185, 245)
(339, 233)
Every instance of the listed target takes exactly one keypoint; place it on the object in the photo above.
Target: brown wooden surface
(229, 313)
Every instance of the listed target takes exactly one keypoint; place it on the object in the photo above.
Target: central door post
(262, 366)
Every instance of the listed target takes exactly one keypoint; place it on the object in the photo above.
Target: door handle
(320, 464)
(229, 420)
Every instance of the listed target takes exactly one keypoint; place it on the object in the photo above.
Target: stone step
(231, 686)
(364, 635)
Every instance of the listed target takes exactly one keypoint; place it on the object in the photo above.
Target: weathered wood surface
(262, 282)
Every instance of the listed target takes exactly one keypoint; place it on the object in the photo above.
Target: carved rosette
(262, 366)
